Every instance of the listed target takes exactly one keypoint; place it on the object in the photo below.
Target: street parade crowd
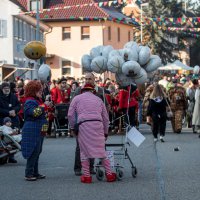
(27, 114)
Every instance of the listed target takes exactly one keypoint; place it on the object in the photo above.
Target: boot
(111, 177)
(86, 179)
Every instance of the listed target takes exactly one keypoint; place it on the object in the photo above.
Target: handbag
(169, 112)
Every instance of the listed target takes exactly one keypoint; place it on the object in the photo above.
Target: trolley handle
(114, 145)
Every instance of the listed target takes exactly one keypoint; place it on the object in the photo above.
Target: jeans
(32, 161)
(77, 163)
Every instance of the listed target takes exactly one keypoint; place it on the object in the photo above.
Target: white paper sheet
(135, 137)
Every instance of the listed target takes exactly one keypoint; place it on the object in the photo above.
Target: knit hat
(6, 119)
(5, 84)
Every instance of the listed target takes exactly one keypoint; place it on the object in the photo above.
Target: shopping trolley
(117, 153)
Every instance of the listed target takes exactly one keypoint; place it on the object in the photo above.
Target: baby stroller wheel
(120, 174)
(99, 174)
(134, 172)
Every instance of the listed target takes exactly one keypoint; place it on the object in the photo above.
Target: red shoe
(86, 179)
(111, 177)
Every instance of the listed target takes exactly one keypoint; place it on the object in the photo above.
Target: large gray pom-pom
(131, 54)
(115, 64)
(141, 77)
(96, 51)
(106, 51)
(99, 64)
(132, 45)
(153, 63)
(86, 63)
(131, 68)
(144, 55)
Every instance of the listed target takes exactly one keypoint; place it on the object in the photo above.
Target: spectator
(9, 105)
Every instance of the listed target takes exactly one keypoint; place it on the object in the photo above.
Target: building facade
(76, 30)
(15, 32)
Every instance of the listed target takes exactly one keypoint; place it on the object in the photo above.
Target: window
(3, 28)
(28, 32)
(118, 34)
(66, 67)
(33, 4)
(16, 28)
(129, 35)
(109, 33)
(66, 33)
(24, 31)
(85, 32)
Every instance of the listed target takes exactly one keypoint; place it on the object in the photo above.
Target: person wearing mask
(157, 111)
(34, 129)
(90, 113)
(178, 102)
(89, 79)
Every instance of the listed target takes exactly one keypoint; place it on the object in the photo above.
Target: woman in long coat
(196, 116)
(90, 112)
(35, 125)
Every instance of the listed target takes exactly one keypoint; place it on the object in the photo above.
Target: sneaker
(155, 139)
(161, 139)
(40, 176)
(78, 172)
(30, 178)
(12, 160)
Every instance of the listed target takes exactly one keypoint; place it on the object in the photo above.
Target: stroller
(117, 153)
(8, 146)
(61, 121)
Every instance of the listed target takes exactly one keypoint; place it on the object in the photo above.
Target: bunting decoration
(170, 24)
(99, 4)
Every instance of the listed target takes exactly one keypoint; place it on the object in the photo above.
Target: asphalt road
(163, 174)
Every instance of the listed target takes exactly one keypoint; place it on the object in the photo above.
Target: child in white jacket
(8, 130)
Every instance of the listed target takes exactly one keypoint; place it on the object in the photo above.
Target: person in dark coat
(34, 129)
(157, 111)
(9, 105)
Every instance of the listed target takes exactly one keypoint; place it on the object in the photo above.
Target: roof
(91, 10)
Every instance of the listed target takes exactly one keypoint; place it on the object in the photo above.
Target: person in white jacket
(8, 130)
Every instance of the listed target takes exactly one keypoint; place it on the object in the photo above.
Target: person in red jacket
(128, 103)
(61, 93)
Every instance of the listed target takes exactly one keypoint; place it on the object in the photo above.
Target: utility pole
(37, 63)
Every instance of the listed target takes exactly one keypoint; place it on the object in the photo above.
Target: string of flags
(168, 22)
(98, 4)
(184, 29)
